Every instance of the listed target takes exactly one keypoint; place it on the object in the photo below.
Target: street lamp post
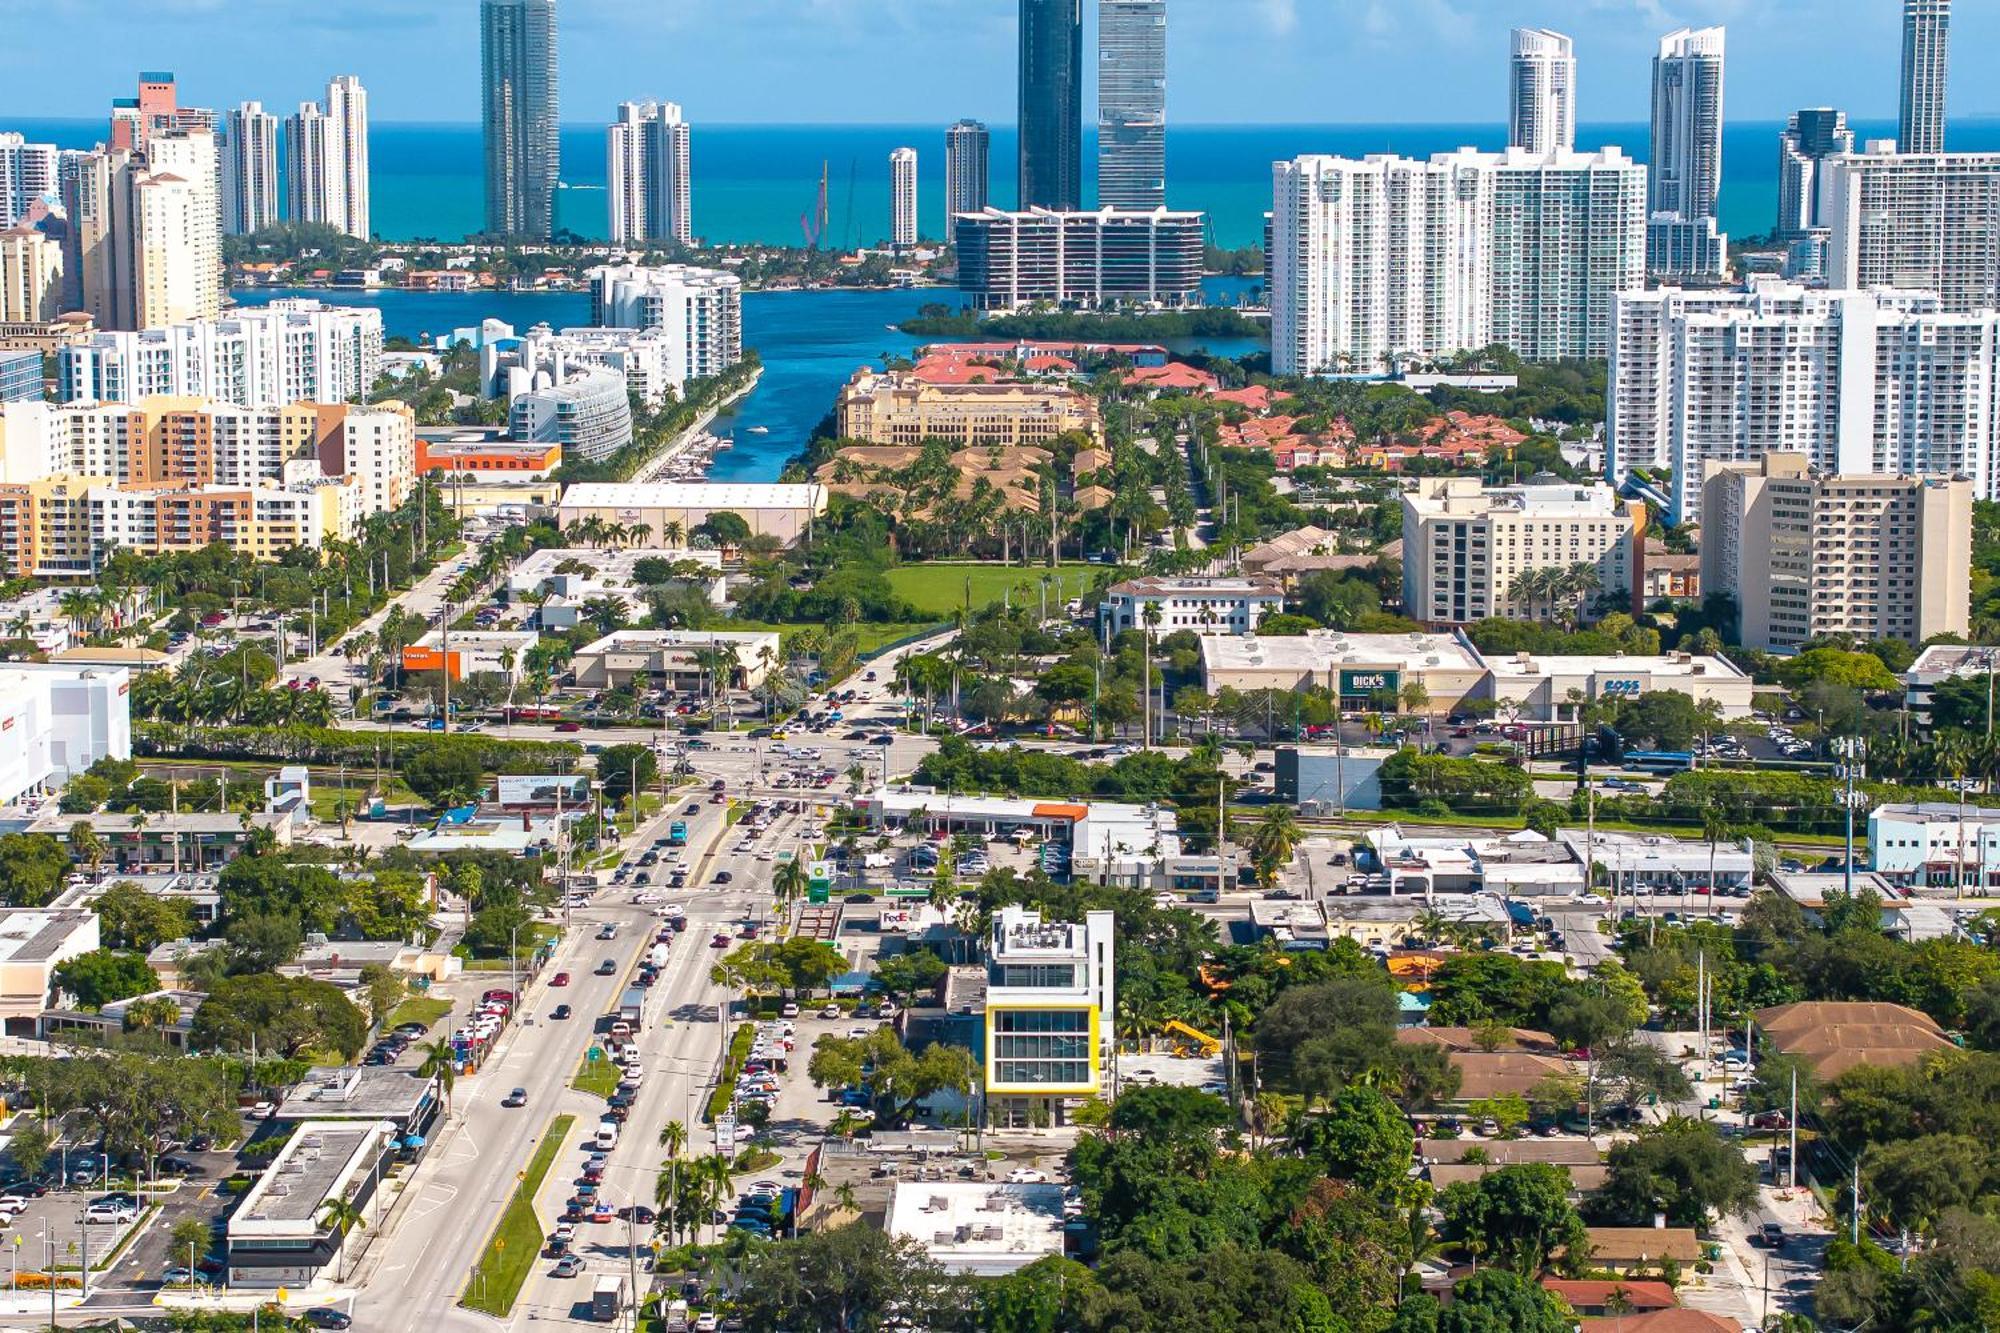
(1852, 751)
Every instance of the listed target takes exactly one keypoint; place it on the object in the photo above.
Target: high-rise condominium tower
(1926, 60)
(1132, 104)
(1541, 92)
(250, 170)
(1051, 113)
(27, 173)
(1686, 161)
(1810, 138)
(966, 147)
(326, 159)
(517, 57)
(649, 177)
(903, 197)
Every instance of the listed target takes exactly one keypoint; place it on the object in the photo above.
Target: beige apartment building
(1466, 545)
(30, 277)
(1804, 554)
(897, 408)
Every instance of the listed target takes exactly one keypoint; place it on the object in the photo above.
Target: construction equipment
(1196, 1041)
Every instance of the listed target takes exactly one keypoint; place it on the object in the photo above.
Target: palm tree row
(595, 532)
(1559, 591)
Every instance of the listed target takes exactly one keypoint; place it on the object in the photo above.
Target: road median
(510, 1251)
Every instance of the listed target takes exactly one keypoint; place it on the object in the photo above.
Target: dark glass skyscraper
(1132, 104)
(1051, 104)
(517, 55)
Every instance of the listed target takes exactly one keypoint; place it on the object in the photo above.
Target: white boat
(758, 430)
(725, 444)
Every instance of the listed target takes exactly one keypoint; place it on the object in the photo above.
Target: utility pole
(1851, 751)
(1792, 1159)
(1854, 1227)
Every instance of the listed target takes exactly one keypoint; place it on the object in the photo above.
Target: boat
(758, 430)
(725, 443)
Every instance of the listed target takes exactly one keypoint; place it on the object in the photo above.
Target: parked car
(325, 1316)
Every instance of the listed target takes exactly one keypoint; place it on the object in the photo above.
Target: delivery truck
(607, 1298)
(631, 1006)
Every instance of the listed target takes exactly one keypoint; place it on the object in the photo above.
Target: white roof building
(781, 510)
(575, 575)
(978, 1227)
(672, 656)
(1542, 685)
(1359, 666)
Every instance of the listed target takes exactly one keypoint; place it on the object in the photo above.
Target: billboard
(1361, 684)
(542, 791)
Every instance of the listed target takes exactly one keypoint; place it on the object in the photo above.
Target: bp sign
(1361, 684)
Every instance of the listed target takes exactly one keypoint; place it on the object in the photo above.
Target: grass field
(510, 1251)
(939, 590)
(417, 1009)
(597, 1077)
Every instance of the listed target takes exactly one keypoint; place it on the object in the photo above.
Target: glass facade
(1039, 976)
(1041, 1048)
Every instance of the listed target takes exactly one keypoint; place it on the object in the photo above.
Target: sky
(931, 61)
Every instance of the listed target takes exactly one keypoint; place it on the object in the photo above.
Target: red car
(569, 726)
(559, 979)
(719, 942)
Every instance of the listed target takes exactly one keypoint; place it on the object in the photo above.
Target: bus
(677, 834)
(1659, 761)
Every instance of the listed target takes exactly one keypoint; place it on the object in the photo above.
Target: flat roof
(36, 935)
(693, 495)
(1953, 659)
(484, 638)
(1525, 665)
(362, 1092)
(640, 639)
(312, 1168)
(1323, 650)
(1197, 587)
(979, 1227)
(1934, 812)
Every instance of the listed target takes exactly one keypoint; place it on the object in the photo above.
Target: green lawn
(939, 590)
(418, 1009)
(597, 1077)
(510, 1251)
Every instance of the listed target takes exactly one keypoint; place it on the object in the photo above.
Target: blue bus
(677, 834)
(1659, 761)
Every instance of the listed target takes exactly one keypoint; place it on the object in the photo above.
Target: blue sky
(928, 61)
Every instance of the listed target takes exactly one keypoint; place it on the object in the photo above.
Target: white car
(1027, 1176)
(110, 1212)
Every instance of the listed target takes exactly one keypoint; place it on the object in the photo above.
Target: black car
(693, 808)
(723, 877)
(561, 1011)
(321, 1316)
(884, 739)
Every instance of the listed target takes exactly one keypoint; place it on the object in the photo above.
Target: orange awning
(1053, 810)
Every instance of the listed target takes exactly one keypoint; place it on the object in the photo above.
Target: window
(1048, 1047)
(1038, 976)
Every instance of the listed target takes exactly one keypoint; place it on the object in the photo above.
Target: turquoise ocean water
(755, 182)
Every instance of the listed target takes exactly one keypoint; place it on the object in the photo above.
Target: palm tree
(1273, 840)
(673, 1137)
(437, 1064)
(1579, 581)
(341, 1215)
(1152, 615)
(1714, 828)
(790, 882)
(87, 846)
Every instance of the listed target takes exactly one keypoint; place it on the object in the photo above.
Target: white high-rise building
(1686, 159)
(295, 351)
(967, 147)
(249, 170)
(1858, 381)
(326, 159)
(648, 150)
(903, 197)
(1465, 545)
(1393, 258)
(1921, 222)
(27, 173)
(1926, 61)
(701, 308)
(1810, 138)
(1541, 91)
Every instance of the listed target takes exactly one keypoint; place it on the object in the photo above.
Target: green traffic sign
(596, 1054)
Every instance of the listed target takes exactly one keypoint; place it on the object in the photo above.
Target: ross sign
(1621, 689)
(542, 791)
(1361, 684)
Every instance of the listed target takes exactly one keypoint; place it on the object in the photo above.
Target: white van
(607, 1135)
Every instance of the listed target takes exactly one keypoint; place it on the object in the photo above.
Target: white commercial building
(1391, 258)
(674, 658)
(903, 198)
(1362, 669)
(1541, 92)
(291, 351)
(1542, 689)
(249, 170)
(279, 1234)
(1466, 545)
(702, 308)
(34, 942)
(1922, 222)
(326, 159)
(978, 1228)
(775, 509)
(1859, 382)
(1651, 861)
(27, 175)
(1939, 663)
(1936, 843)
(466, 653)
(560, 581)
(1050, 1010)
(56, 721)
(1205, 605)
(648, 175)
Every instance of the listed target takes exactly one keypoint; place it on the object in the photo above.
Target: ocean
(756, 182)
(811, 342)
